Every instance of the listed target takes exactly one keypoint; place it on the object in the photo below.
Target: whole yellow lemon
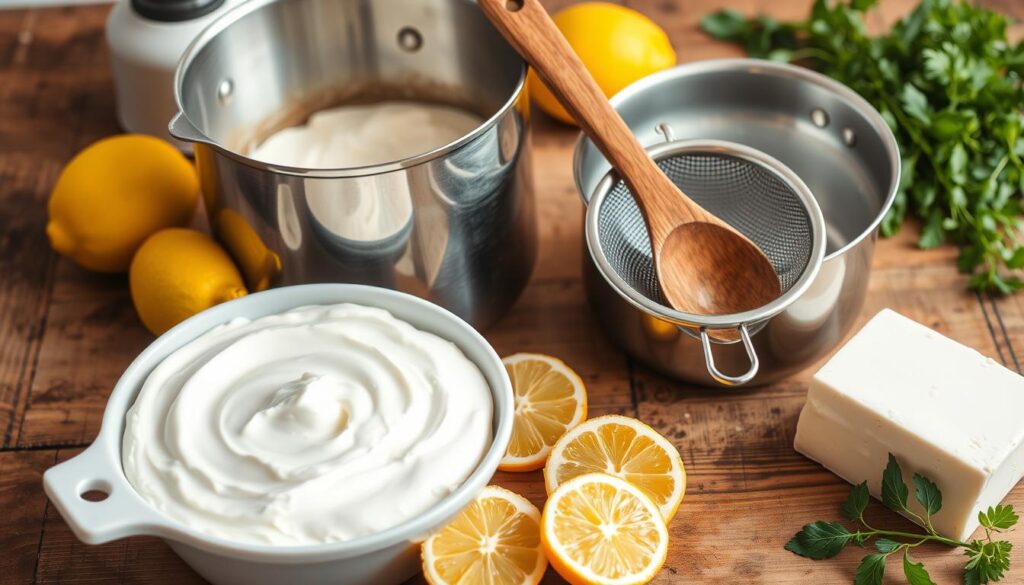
(115, 194)
(177, 273)
(617, 44)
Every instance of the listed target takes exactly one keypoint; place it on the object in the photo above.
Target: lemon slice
(494, 541)
(623, 447)
(601, 530)
(550, 399)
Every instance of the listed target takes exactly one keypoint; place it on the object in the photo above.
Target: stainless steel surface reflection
(777, 109)
(455, 225)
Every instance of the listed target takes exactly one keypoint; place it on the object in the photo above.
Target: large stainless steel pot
(455, 225)
(833, 139)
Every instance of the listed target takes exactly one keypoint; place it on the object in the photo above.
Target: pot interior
(839, 146)
(269, 63)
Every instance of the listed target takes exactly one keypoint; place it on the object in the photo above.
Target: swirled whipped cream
(317, 425)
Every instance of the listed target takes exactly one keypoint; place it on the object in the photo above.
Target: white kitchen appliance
(147, 38)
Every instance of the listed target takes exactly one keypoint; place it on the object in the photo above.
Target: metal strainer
(751, 191)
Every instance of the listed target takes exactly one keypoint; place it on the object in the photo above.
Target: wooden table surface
(66, 335)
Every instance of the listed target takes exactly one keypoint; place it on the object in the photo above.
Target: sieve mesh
(756, 201)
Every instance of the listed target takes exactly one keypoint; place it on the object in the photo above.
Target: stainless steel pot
(455, 225)
(829, 136)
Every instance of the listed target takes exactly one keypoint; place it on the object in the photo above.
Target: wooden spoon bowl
(699, 260)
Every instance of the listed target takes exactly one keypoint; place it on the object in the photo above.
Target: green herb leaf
(937, 65)
(989, 560)
(724, 24)
(1016, 259)
(915, 572)
(884, 545)
(998, 518)
(933, 234)
(820, 540)
(862, 5)
(871, 570)
(958, 164)
(947, 81)
(948, 125)
(894, 490)
(915, 103)
(927, 494)
(972, 577)
(857, 501)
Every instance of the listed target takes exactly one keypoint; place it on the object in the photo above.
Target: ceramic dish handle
(709, 359)
(76, 488)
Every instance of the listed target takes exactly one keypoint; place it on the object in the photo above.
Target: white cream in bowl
(321, 424)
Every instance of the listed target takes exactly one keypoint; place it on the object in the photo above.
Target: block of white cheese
(944, 410)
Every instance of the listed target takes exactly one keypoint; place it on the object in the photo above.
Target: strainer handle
(709, 359)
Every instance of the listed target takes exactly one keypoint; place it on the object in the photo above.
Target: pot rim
(778, 69)
(188, 131)
(103, 457)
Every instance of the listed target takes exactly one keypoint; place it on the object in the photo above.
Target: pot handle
(97, 471)
(709, 359)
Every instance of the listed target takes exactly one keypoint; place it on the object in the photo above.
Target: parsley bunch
(948, 83)
(987, 560)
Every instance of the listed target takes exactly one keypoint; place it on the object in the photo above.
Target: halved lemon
(623, 447)
(550, 399)
(601, 530)
(494, 541)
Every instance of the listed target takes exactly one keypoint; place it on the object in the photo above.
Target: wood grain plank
(25, 178)
(26, 267)
(1008, 313)
(12, 25)
(68, 39)
(55, 97)
(64, 559)
(560, 232)
(55, 86)
(22, 506)
(90, 339)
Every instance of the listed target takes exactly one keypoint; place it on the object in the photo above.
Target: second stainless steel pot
(455, 225)
(829, 136)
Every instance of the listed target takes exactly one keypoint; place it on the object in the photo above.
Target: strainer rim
(767, 162)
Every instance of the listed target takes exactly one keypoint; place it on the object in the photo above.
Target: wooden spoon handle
(528, 28)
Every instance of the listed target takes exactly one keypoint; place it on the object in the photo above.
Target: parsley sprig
(948, 82)
(987, 559)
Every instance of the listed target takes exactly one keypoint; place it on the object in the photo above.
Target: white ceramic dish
(384, 558)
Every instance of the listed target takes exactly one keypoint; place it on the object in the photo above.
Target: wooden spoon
(704, 266)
